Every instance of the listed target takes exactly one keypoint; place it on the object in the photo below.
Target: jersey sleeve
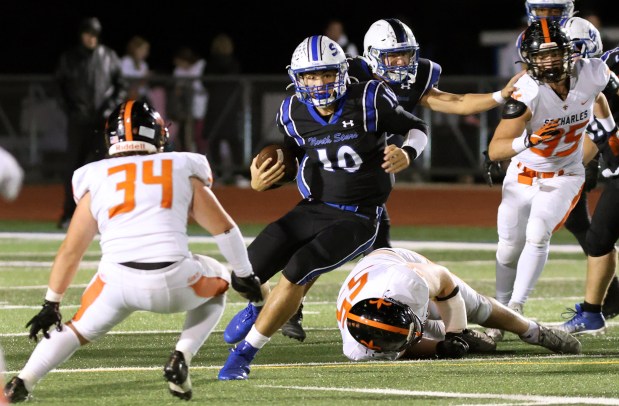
(601, 72)
(389, 116)
(285, 123)
(81, 181)
(200, 168)
(526, 90)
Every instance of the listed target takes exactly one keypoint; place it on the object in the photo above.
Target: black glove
(47, 317)
(491, 169)
(453, 346)
(591, 175)
(248, 287)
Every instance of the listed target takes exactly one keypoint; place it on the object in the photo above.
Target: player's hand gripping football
(47, 317)
(544, 133)
(453, 346)
(396, 159)
(248, 287)
(263, 177)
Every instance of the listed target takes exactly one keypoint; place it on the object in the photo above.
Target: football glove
(248, 287)
(453, 346)
(47, 317)
(543, 134)
(491, 169)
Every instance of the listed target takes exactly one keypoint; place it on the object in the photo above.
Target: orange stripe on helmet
(378, 324)
(545, 30)
(127, 120)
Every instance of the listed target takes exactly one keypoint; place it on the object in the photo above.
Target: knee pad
(538, 232)
(507, 253)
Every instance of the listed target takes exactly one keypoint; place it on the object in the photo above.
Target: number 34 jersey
(342, 154)
(141, 203)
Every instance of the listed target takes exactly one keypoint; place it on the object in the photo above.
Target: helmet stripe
(378, 324)
(397, 28)
(127, 120)
(545, 30)
(315, 47)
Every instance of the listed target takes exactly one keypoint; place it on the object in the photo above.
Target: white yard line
(546, 400)
(430, 245)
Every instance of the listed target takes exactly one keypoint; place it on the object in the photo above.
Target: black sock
(593, 308)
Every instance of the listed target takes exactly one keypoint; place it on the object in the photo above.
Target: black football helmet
(384, 324)
(546, 49)
(135, 127)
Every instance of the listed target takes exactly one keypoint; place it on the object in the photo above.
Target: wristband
(498, 98)
(519, 144)
(52, 296)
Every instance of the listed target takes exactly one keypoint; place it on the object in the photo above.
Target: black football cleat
(293, 328)
(176, 372)
(15, 391)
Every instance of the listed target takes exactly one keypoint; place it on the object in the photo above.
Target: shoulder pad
(513, 108)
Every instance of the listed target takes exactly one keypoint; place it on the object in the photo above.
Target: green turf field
(126, 366)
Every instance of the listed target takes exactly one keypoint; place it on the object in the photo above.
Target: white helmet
(318, 53)
(389, 36)
(566, 6)
(586, 39)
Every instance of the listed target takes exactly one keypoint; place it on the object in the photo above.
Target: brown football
(279, 153)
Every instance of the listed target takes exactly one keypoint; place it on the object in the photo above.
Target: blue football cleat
(237, 364)
(241, 323)
(584, 322)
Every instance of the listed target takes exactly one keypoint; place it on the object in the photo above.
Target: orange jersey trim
(210, 286)
(90, 295)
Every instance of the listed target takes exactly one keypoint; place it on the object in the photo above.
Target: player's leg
(204, 300)
(341, 237)
(578, 221)
(511, 227)
(268, 254)
(601, 264)
(101, 309)
(293, 328)
(550, 207)
(504, 318)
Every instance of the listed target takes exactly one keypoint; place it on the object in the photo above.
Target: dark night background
(265, 33)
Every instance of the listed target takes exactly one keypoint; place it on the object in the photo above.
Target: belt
(365, 210)
(527, 175)
(147, 266)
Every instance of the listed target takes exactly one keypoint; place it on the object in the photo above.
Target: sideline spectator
(335, 31)
(91, 85)
(135, 68)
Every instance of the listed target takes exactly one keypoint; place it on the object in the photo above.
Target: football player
(139, 200)
(391, 55)
(542, 130)
(550, 9)
(336, 130)
(602, 289)
(391, 295)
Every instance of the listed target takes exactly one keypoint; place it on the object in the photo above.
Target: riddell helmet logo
(124, 146)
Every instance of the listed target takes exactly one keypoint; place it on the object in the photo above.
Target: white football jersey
(141, 203)
(376, 276)
(589, 78)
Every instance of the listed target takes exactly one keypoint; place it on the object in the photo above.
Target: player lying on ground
(392, 293)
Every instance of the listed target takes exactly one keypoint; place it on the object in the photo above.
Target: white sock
(530, 266)
(48, 354)
(256, 339)
(532, 334)
(199, 323)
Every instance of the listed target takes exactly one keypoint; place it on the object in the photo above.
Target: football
(282, 154)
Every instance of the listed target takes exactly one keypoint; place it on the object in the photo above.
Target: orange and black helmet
(135, 127)
(546, 49)
(384, 324)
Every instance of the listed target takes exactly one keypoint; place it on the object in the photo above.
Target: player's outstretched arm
(80, 234)
(211, 215)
